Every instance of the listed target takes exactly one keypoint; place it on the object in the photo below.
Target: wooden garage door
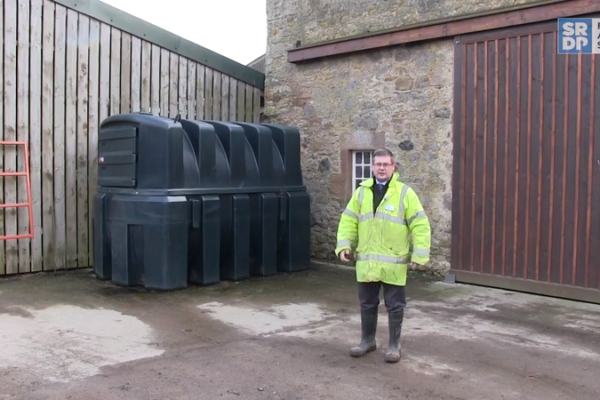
(526, 190)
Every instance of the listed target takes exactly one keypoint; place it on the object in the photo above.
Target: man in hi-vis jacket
(374, 231)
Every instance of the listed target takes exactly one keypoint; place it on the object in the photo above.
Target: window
(361, 166)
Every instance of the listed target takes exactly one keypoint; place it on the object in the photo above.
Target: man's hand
(413, 266)
(345, 255)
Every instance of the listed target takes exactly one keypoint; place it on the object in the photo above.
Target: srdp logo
(578, 35)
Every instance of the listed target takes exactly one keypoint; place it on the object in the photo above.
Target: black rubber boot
(394, 352)
(368, 328)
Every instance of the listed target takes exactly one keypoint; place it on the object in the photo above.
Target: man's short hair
(383, 153)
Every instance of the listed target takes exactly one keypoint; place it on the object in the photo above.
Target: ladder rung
(13, 173)
(9, 205)
(12, 143)
(10, 237)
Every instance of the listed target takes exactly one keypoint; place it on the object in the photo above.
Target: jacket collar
(371, 181)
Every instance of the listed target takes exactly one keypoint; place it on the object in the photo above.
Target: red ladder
(26, 175)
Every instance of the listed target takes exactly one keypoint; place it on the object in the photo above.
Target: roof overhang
(144, 30)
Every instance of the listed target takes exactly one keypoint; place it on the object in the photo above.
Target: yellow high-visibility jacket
(380, 240)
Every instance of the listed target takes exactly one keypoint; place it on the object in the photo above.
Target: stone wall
(311, 21)
(398, 97)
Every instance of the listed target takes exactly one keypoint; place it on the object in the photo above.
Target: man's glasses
(382, 165)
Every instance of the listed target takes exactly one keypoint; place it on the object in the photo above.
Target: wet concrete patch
(509, 318)
(460, 326)
(63, 343)
(264, 322)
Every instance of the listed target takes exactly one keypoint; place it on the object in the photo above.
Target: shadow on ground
(287, 337)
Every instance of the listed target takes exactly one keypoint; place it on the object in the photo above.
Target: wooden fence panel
(62, 73)
(191, 90)
(35, 131)
(70, 143)
(208, 93)
(10, 132)
(60, 233)
(3, 262)
(182, 87)
(93, 122)
(125, 104)
(146, 77)
(81, 159)
(233, 99)
(155, 80)
(22, 125)
(173, 85)
(136, 74)
(48, 89)
(200, 92)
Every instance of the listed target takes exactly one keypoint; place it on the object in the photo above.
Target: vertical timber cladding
(62, 72)
(527, 164)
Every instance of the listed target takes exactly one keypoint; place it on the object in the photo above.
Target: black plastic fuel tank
(198, 202)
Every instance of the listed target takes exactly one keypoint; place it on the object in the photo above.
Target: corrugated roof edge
(257, 59)
(138, 27)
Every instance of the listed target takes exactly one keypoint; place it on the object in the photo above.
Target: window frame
(355, 179)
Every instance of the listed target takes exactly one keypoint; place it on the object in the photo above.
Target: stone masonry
(399, 97)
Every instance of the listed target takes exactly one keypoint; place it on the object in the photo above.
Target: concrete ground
(287, 337)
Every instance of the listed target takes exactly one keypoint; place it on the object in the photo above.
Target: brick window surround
(352, 144)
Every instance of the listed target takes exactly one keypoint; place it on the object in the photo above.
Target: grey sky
(234, 28)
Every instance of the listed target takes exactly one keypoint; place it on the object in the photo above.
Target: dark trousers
(394, 296)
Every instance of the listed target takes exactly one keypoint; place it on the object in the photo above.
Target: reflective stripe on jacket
(380, 240)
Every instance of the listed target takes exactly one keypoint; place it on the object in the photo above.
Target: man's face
(383, 167)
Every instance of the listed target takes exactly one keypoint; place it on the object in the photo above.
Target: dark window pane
(358, 158)
(367, 172)
(367, 158)
(358, 172)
